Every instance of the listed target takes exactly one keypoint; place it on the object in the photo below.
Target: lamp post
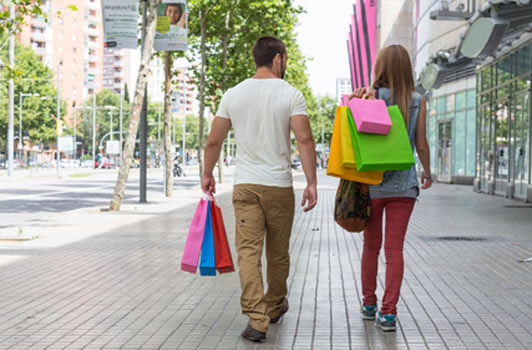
(20, 143)
(11, 92)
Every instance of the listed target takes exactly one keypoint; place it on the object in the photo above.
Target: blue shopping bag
(207, 262)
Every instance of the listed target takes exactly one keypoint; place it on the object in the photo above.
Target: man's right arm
(300, 125)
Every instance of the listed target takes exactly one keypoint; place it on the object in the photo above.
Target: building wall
(74, 39)
(343, 87)
(395, 24)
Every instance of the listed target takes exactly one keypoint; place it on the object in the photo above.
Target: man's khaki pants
(263, 212)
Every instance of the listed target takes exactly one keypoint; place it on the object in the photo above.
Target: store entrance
(521, 144)
(445, 138)
(502, 146)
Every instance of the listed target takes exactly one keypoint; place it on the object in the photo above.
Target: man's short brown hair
(265, 49)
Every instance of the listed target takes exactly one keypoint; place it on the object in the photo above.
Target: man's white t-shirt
(260, 111)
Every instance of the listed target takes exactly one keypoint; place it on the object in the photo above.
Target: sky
(322, 35)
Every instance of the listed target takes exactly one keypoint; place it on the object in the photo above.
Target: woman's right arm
(422, 145)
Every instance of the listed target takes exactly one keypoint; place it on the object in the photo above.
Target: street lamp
(20, 142)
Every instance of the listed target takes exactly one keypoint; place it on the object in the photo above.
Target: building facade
(71, 43)
(343, 87)
(473, 63)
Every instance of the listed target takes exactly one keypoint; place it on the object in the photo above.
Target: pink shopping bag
(345, 100)
(191, 254)
(371, 116)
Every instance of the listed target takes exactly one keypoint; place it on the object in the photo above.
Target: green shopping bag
(375, 152)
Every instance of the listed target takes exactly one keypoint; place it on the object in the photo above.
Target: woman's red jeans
(398, 211)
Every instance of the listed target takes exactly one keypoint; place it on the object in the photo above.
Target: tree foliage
(32, 77)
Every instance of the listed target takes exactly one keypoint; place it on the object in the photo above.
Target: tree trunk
(202, 92)
(166, 130)
(132, 129)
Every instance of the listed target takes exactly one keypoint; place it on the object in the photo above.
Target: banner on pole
(120, 23)
(171, 30)
(66, 144)
(112, 147)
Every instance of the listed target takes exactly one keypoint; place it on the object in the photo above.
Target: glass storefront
(503, 149)
(451, 125)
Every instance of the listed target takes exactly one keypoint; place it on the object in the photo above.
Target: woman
(397, 193)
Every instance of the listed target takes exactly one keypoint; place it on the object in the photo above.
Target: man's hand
(310, 197)
(208, 184)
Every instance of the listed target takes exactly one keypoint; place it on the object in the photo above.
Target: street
(32, 199)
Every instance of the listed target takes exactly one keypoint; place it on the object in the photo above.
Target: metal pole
(159, 124)
(184, 116)
(158, 135)
(11, 107)
(58, 115)
(94, 125)
(19, 126)
(111, 125)
(121, 107)
(75, 139)
(143, 121)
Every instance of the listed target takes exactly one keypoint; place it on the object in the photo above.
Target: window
(92, 65)
(61, 36)
(74, 50)
(92, 12)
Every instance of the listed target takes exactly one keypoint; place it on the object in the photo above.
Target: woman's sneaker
(368, 311)
(385, 322)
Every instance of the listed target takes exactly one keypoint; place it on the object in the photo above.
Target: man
(262, 111)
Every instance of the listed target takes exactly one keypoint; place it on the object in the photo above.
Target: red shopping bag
(222, 252)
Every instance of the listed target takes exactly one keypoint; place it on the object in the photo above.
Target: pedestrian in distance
(262, 111)
(397, 193)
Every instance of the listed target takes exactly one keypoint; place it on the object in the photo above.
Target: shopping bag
(334, 167)
(352, 209)
(346, 144)
(383, 152)
(207, 262)
(345, 100)
(191, 253)
(222, 252)
(371, 116)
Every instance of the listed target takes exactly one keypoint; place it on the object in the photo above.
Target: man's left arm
(219, 129)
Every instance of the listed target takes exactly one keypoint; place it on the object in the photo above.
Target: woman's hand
(363, 93)
(426, 181)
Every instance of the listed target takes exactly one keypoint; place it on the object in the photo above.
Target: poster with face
(171, 30)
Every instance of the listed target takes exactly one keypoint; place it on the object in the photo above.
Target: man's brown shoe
(254, 335)
(283, 311)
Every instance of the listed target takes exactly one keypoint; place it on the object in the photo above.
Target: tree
(168, 178)
(103, 98)
(134, 118)
(126, 94)
(24, 8)
(31, 77)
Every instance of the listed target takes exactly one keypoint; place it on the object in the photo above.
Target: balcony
(92, 5)
(93, 31)
(37, 36)
(39, 50)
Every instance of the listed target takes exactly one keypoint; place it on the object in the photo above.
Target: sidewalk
(122, 288)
